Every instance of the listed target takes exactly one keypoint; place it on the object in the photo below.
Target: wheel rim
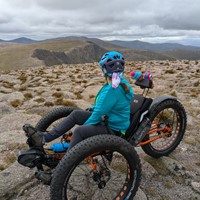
(112, 180)
(170, 118)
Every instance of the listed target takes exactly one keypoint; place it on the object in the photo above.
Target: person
(111, 103)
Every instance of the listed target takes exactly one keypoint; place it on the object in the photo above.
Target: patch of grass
(10, 158)
(18, 146)
(150, 191)
(91, 96)
(57, 94)
(59, 101)
(170, 71)
(39, 100)
(2, 167)
(194, 94)
(169, 184)
(28, 95)
(68, 103)
(196, 84)
(158, 165)
(15, 103)
(22, 78)
(23, 88)
(191, 141)
(48, 104)
(174, 93)
(8, 84)
(79, 96)
(40, 92)
(186, 62)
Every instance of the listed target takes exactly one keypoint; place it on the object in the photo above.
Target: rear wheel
(100, 167)
(168, 114)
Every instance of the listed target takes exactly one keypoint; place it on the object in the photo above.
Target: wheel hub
(101, 184)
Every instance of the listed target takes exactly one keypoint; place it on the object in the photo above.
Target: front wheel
(53, 116)
(100, 167)
(169, 115)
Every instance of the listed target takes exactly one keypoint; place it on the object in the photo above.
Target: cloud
(106, 19)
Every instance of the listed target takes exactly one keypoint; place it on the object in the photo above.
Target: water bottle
(60, 147)
(141, 131)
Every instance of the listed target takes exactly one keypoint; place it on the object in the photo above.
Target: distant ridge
(22, 40)
(24, 52)
(136, 44)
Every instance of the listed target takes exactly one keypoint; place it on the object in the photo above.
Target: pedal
(29, 130)
(44, 176)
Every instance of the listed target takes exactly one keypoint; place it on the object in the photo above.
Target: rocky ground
(26, 95)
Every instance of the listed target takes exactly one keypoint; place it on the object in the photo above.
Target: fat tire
(54, 115)
(87, 147)
(176, 105)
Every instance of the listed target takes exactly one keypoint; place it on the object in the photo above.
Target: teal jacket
(114, 103)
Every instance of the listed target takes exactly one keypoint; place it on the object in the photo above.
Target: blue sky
(149, 20)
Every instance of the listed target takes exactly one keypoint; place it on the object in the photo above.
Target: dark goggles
(114, 66)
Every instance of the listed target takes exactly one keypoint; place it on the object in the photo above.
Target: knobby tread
(54, 115)
(85, 148)
(172, 103)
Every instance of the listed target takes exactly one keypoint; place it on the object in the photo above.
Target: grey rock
(196, 186)
(5, 109)
(13, 177)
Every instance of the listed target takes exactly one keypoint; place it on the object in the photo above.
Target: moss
(2, 167)
(48, 103)
(194, 94)
(173, 93)
(170, 71)
(79, 96)
(57, 94)
(39, 100)
(68, 103)
(22, 78)
(18, 146)
(58, 101)
(8, 85)
(158, 165)
(15, 103)
(196, 84)
(91, 96)
(28, 95)
(23, 88)
(169, 184)
(10, 158)
(191, 141)
(150, 191)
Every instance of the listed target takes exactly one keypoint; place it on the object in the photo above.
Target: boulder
(12, 97)
(5, 109)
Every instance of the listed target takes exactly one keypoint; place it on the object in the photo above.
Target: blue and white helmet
(111, 62)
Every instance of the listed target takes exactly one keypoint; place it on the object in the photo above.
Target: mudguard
(160, 99)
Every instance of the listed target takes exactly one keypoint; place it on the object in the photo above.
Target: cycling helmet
(112, 62)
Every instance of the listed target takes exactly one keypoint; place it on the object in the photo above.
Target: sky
(148, 20)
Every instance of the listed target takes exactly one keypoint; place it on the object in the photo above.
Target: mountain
(136, 44)
(23, 40)
(24, 52)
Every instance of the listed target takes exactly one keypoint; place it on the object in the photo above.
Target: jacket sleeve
(105, 103)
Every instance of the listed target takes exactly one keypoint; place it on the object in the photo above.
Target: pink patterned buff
(116, 79)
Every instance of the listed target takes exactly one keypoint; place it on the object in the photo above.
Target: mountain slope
(20, 55)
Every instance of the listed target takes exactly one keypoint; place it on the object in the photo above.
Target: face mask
(116, 79)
